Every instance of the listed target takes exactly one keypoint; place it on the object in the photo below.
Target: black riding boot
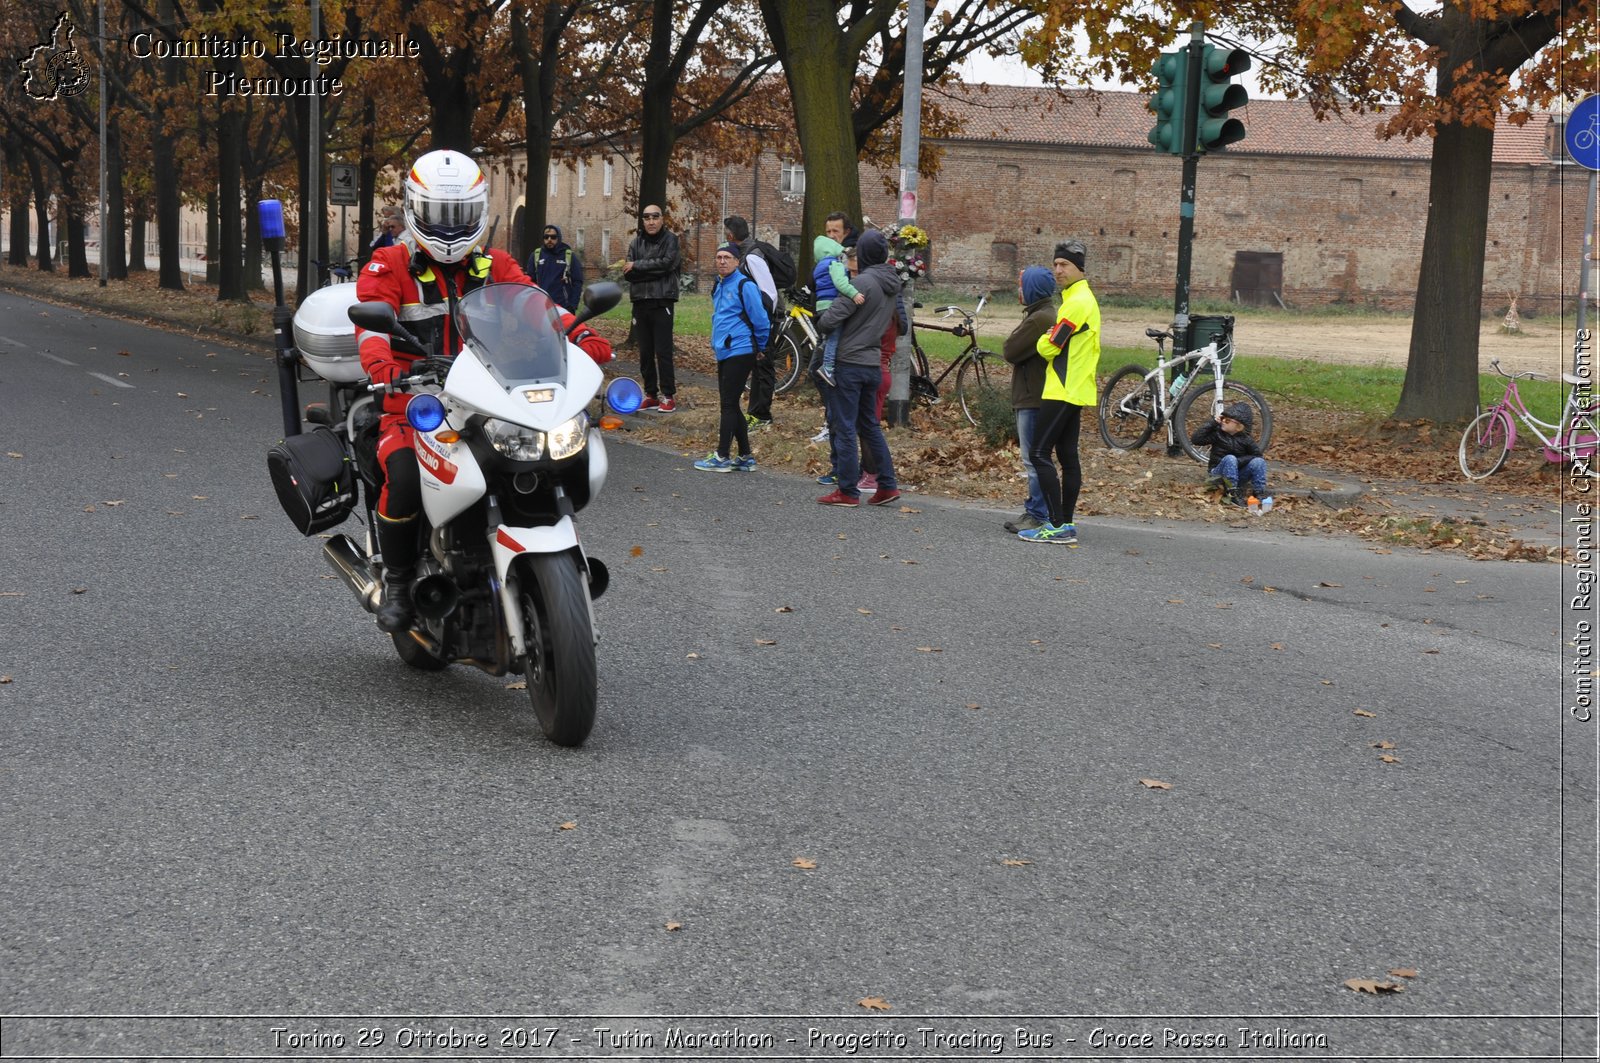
(397, 539)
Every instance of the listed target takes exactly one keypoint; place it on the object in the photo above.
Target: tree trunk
(536, 131)
(253, 280)
(77, 234)
(657, 140)
(136, 231)
(1442, 371)
(811, 45)
(114, 241)
(41, 215)
(168, 176)
(230, 251)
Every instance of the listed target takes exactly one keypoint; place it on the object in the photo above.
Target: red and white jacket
(418, 289)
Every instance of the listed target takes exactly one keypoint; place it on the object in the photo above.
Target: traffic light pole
(1191, 170)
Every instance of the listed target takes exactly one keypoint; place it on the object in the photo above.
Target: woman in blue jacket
(739, 328)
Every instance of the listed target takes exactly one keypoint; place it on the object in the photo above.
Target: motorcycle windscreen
(516, 332)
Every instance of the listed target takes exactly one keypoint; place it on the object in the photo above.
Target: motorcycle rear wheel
(562, 681)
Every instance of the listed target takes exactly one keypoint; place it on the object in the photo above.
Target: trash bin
(1213, 328)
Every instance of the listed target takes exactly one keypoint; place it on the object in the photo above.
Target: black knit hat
(1240, 411)
(1073, 251)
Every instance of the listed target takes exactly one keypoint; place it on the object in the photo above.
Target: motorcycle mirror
(598, 298)
(374, 317)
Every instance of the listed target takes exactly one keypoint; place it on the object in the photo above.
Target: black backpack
(780, 263)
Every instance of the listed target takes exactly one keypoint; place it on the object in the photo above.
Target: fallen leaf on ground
(766, 642)
(1277, 645)
(874, 1003)
(1389, 758)
(1404, 972)
(1174, 601)
(1215, 645)
(1155, 784)
(1326, 682)
(1016, 863)
(1430, 651)
(80, 590)
(903, 509)
(805, 863)
(12, 454)
(1368, 985)
(1325, 583)
(637, 551)
(973, 705)
(929, 649)
(694, 657)
(674, 926)
(519, 684)
(1364, 712)
(6, 679)
(570, 824)
(864, 612)
(784, 609)
(910, 561)
(1383, 745)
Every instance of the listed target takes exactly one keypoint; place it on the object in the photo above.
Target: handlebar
(1526, 375)
(406, 383)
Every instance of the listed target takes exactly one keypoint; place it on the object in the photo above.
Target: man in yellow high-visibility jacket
(1071, 351)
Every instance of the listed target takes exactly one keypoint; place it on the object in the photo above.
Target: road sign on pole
(342, 185)
(1583, 133)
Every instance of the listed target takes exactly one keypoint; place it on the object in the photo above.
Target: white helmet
(447, 204)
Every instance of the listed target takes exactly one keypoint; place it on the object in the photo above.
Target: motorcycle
(508, 453)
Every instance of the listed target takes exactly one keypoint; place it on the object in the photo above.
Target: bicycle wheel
(983, 383)
(1127, 412)
(789, 356)
(1484, 445)
(1201, 405)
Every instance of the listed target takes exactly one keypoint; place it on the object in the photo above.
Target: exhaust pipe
(355, 570)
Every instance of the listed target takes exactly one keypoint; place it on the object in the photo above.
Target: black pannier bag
(315, 479)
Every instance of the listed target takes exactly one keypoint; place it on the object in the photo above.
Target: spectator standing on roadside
(1037, 290)
(652, 271)
(739, 329)
(1071, 351)
(856, 390)
(389, 225)
(558, 269)
(764, 378)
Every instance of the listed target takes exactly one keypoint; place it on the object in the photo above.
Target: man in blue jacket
(558, 269)
(739, 331)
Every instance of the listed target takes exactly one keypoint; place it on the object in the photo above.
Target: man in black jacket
(858, 372)
(651, 270)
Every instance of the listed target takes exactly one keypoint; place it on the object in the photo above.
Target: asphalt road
(221, 793)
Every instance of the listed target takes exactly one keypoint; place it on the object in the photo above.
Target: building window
(577, 239)
(605, 245)
(606, 179)
(583, 179)
(792, 179)
(554, 170)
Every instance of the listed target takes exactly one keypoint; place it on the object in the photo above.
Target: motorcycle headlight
(570, 437)
(514, 440)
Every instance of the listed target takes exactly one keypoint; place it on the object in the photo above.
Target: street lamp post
(897, 409)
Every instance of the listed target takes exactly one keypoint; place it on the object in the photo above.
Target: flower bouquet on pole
(908, 251)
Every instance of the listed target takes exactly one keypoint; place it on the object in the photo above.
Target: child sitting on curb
(1236, 464)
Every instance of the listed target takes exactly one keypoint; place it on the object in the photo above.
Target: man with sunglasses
(558, 269)
(652, 268)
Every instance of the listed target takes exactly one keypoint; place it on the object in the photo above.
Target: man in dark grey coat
(858, 372)
(651, 270)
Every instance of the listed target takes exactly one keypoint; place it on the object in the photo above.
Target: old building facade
(1301, 212)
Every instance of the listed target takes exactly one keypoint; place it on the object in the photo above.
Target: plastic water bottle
(1266, 504)
(1177, 385)
(1253, 505)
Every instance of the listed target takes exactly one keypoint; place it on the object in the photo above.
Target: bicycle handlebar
(1494, 363)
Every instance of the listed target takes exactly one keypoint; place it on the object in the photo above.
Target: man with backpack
(773, 270)
(558, 269)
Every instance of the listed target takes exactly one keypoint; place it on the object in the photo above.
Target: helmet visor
(452, 219)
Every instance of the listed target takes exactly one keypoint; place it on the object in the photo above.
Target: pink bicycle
(1491, 435)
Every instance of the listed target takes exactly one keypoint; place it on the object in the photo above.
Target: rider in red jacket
(446, 209)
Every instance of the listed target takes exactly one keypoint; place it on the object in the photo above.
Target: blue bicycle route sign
(1583, 133)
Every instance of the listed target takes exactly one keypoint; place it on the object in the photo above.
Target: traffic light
(1219, 95)
(1170, 102)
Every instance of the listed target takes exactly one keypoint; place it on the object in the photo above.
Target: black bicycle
(336, 272)
(978, 372)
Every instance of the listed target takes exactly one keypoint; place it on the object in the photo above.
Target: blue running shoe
(829, 480)
(747, 463)
(1064, 534)
(713, 462)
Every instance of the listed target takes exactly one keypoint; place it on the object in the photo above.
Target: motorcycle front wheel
(562, 684)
